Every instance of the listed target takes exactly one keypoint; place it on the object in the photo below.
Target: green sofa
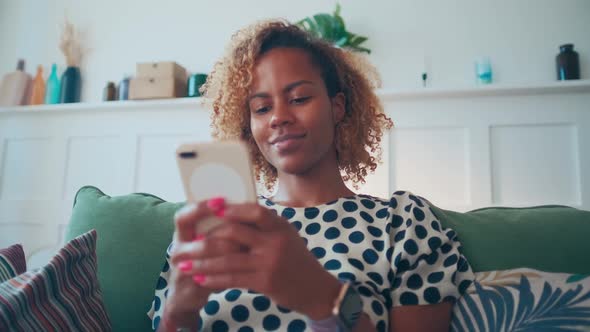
(134, 231)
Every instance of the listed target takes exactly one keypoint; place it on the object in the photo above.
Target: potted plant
(71, 80)
(332, 28)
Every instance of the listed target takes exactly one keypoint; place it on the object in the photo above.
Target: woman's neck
(322, 183)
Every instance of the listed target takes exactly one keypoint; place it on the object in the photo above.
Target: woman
(309, 115)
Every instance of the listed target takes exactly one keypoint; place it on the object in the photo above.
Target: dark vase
(567, 63)
(71, 83)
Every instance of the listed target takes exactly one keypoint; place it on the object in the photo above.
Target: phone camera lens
(188, 154)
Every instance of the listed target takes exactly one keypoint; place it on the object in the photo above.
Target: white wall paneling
(462, 149)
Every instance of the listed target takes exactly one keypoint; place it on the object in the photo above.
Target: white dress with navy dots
(395, 251)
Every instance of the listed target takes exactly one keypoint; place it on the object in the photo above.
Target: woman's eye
(300, 100)
(262, 110)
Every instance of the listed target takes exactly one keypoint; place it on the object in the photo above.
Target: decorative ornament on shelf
(71, 80)
(15, 86)
(332, 29)
(425, 70)
(38, 90)
(567, 63)
(52, 87)
(194, 84)
(483, 70)
(123, 89)
(109, 92)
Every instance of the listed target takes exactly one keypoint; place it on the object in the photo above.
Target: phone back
(213, 169)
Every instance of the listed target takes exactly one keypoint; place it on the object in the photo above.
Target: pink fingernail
(199, 237)
(199, 279)
(216, 203)
(220, 213)
(185, 266)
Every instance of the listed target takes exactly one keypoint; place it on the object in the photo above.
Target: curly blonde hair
(357, 136)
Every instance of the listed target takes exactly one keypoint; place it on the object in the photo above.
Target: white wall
(521, 37)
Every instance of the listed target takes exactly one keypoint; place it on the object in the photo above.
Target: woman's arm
(427, 318)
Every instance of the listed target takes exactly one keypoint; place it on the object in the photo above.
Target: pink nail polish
(199, 237)
(185, 266)
(220, 213)
(199, 279)
(216, 203)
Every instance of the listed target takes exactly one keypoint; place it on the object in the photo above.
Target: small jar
(110, 92)
(567, 63)
(194, 84)
(123, 90)
(483, 70)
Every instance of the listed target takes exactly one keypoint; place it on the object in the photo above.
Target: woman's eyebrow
(259, 95)
(295, 84)
(286, 89)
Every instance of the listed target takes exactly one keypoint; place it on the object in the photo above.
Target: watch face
(351, 308)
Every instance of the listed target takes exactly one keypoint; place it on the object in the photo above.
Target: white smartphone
(216, 169)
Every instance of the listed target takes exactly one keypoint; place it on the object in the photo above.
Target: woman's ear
(338, 107)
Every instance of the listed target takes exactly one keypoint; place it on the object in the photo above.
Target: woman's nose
(281, 115)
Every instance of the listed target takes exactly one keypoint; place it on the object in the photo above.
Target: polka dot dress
(395, 251)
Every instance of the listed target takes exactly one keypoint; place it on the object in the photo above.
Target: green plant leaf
(337, 10)
(324, 23)
(357, 40)
(340, 21)
(341, 42)
(333, 29)
(310, 25)
(339, 28)
(361, 49)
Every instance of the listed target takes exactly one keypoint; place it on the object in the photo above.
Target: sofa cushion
(135, 231)
(64, 295)
(12, 262)
(549, 238)
(524, 300)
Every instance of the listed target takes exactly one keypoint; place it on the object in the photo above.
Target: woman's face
(291, 115)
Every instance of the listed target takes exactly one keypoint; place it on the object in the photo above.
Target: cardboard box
(156, 88)
(162, 69)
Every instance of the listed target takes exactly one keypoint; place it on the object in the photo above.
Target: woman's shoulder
(401, 199)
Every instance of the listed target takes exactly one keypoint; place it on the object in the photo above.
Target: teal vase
(52, 87)
(71, 83)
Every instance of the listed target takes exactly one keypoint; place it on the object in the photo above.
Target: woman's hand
(276, 263)
(185, 296)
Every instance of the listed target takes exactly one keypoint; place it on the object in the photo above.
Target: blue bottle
(52, 87)
(71, 85)
(123, 90)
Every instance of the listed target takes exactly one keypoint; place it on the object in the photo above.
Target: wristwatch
(348, 306)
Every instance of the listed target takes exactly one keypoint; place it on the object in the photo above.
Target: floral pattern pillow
(524, 300)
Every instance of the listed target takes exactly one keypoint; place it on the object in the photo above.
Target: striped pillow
(12, 262)
(64, 295)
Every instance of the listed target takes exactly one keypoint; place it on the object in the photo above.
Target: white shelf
(126, 105)
(574, 86)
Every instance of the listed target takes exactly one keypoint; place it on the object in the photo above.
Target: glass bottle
(38, 92)
(123, 90)
(52, 87)
(567, 63)
(110, 92)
